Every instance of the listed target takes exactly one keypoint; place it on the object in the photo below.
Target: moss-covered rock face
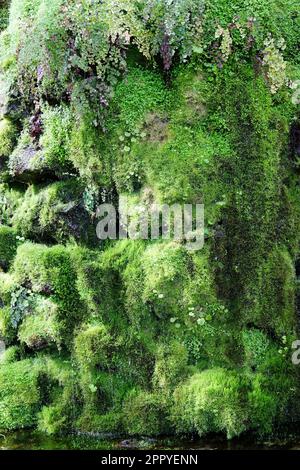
(58, 212)
(165, 102)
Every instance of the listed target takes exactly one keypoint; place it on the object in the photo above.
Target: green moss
(146, 414)
(213, 401)
(105, 375)
(19, 396)
(50, 271)
(106, 157)
(171, 366)
(268, 15)
(277, 303)
(274, 393)
(143, 337)
(10, 355)
(42, 147)
(7, 331)
(4, 13)
(91, 346)
(256, 345)
(85, 150)
(7, 285)
(8, 246)
(257, 140)
(41, 328)
(51, 419)
(165, 268)
(141, 92)
(7, 137)
(25, 155)
(54, 140)
(61, 401)
(11, 198)
(103, 394)
(108, 423)
(189, 96)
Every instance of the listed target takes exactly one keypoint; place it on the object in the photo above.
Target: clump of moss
(256, 345)
(7, 137)
(61, 399)
(7, 285)
(41, 328)
(51, 419)
(212, 401)
(107, 157)
(86, 150)
(42, 150)
(278, 279)
(171, 366)
(146, 413)
(104, 377)
(91, 346)
(7, 331)
(274, 393)
(110, 423)
(8, 246)
(54, 140)
(11, 198)
(166, 269)
(50, 272)
(10, 355)
(19, 396)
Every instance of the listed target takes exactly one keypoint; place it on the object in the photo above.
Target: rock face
(22, 163)
(11, 105)
(164, 103)
(27, 165)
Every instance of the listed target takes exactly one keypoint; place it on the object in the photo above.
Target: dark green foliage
(7, 331)
(8, 246)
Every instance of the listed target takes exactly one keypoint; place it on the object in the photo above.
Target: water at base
(32, 440)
